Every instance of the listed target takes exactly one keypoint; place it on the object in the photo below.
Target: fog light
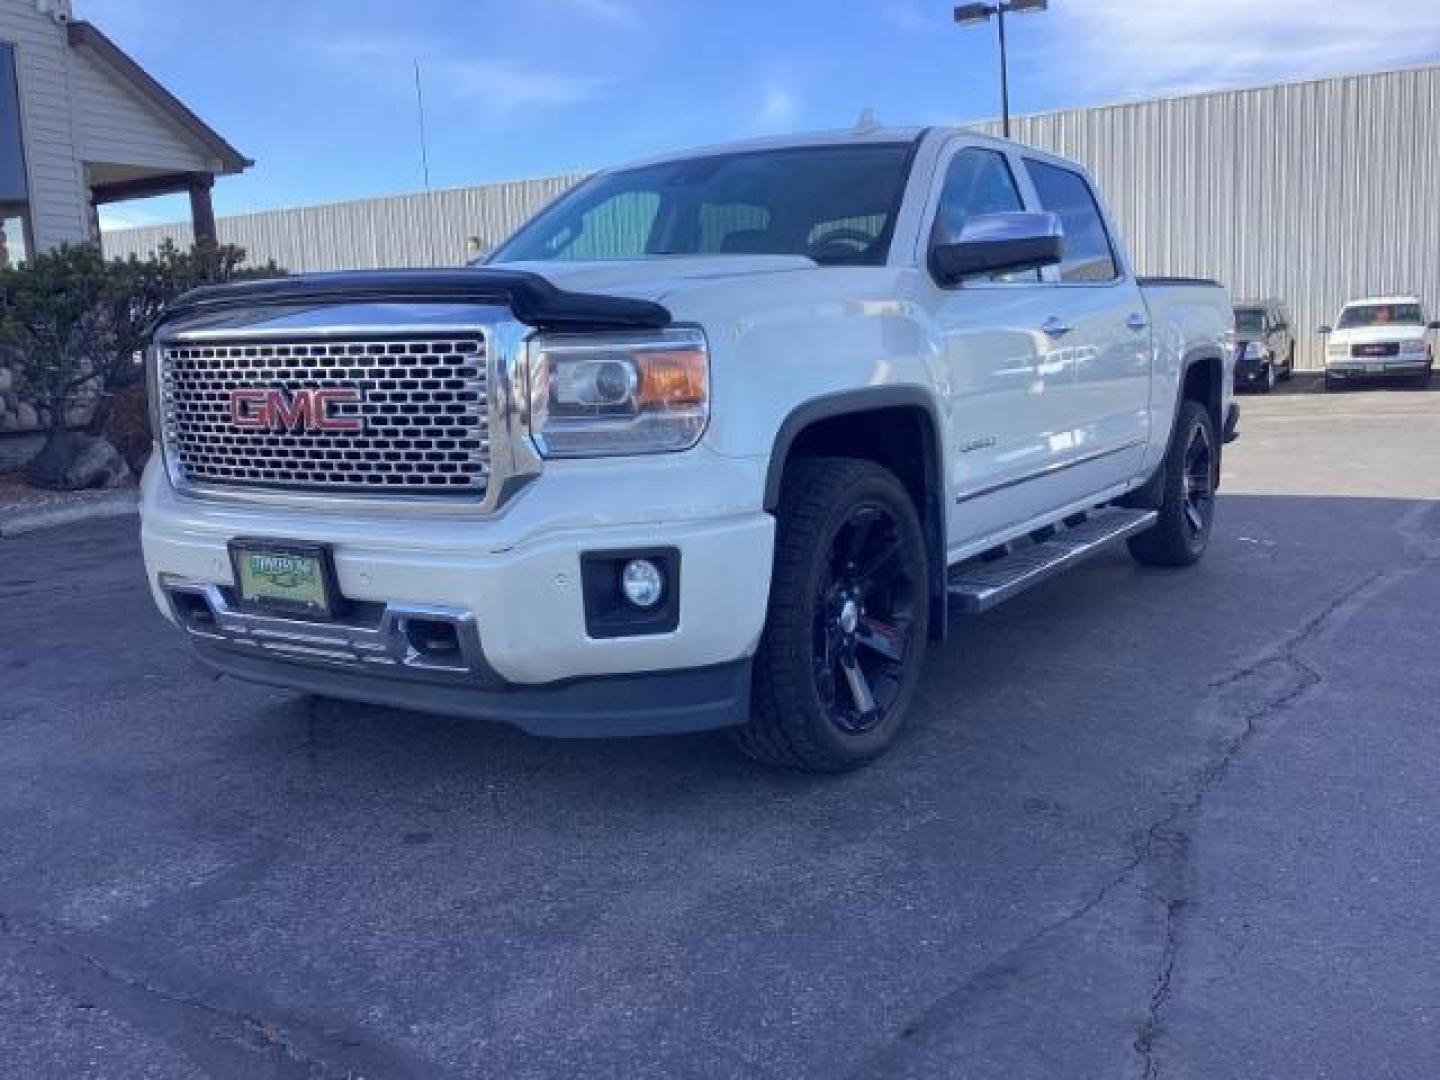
(642, 583)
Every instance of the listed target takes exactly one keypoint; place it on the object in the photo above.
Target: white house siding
(115, 125)
(1313, 192)
(59, 210)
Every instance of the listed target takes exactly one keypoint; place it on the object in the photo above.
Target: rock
(9, 422)
(74, 462)
(7, 380)
(28, 417)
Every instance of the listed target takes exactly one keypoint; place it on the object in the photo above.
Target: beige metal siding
(58, 210)
(428, 229)
(1312, 192)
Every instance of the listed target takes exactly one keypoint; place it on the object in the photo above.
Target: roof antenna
(866, 121)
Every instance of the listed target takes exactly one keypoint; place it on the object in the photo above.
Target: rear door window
(1089, 256)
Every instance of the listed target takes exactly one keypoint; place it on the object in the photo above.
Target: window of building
(14, 192)
(1088, 254)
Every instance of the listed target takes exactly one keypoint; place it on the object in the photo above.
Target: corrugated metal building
(1313, 192)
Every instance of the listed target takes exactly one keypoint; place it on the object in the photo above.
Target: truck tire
(1289, 372)
(846, 632)
(1192, 467)
(1271, 378)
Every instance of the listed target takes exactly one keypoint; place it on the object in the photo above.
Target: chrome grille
(1377, 348)
(423, 408)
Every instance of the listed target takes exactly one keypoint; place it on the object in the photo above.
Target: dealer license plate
(287, 577)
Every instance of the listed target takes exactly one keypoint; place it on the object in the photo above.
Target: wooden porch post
(202, 211)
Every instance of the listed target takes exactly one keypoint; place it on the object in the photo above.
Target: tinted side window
(1088, 255)
(977, 182)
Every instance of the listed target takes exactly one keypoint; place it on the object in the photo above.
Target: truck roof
(856, 136)
(1362, 300)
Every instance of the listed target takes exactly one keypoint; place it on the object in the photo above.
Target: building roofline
(1218, 91)
(81, 33)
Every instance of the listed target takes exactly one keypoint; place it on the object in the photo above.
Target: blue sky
(321, 92)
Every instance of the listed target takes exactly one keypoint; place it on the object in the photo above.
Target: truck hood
(1374, 335)
(655, 278)
(548, 295)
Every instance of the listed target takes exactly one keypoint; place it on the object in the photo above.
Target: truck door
(1008, 393)
(1098, 316)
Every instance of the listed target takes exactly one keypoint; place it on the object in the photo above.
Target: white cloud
(907, 15)
(500, 85)
(778, 110)
(612, 11)
(1128, 48)
(490, 83)
(125, 217)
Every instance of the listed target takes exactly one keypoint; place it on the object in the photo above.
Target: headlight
(1255, 350)
(1337, 350)
(1412, 346)
(618, 394)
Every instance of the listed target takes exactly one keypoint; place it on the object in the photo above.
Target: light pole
(973, 14)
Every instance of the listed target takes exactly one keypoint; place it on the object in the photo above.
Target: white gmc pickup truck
(716, 440)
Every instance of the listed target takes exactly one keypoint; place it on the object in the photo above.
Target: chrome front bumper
(392, 661)
(421, 641)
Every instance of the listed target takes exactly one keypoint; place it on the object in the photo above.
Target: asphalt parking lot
(1148, 824)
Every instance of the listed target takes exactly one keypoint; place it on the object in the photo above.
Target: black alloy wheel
(848, 624)
(1186, 515)
(864, 619)
(1199, 481)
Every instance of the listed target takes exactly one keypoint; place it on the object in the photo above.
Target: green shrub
(74, 323)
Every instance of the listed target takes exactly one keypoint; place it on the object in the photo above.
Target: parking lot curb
(111, 504)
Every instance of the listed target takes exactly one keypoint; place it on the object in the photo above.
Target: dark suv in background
(1264, 344)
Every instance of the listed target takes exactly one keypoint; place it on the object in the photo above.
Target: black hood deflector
(532, 299)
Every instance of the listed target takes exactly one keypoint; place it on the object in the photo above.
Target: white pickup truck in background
(715, 440)
(1380, 337)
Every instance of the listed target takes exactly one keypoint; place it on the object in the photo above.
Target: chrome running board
(978, 586)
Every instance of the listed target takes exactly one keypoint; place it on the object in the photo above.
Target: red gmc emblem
(305, 410)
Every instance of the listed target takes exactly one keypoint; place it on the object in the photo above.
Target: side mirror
(997, 244)
(1322, 330)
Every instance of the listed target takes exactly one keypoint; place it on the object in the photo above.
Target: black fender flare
(874, 399)
(1150, 495)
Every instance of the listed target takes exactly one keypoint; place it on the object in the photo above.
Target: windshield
(835, 204)
(1250, 320)
(1379, 315)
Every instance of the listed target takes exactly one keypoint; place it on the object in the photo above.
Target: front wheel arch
(897, 428)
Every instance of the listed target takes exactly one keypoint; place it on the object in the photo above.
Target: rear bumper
(1249, 372)
(645, 703)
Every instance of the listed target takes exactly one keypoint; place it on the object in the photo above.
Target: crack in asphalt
(1417, 542)
(295, 1049)
(1165, 843)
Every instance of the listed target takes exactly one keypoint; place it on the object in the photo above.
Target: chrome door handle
(1056, 327)
(1137, 322)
